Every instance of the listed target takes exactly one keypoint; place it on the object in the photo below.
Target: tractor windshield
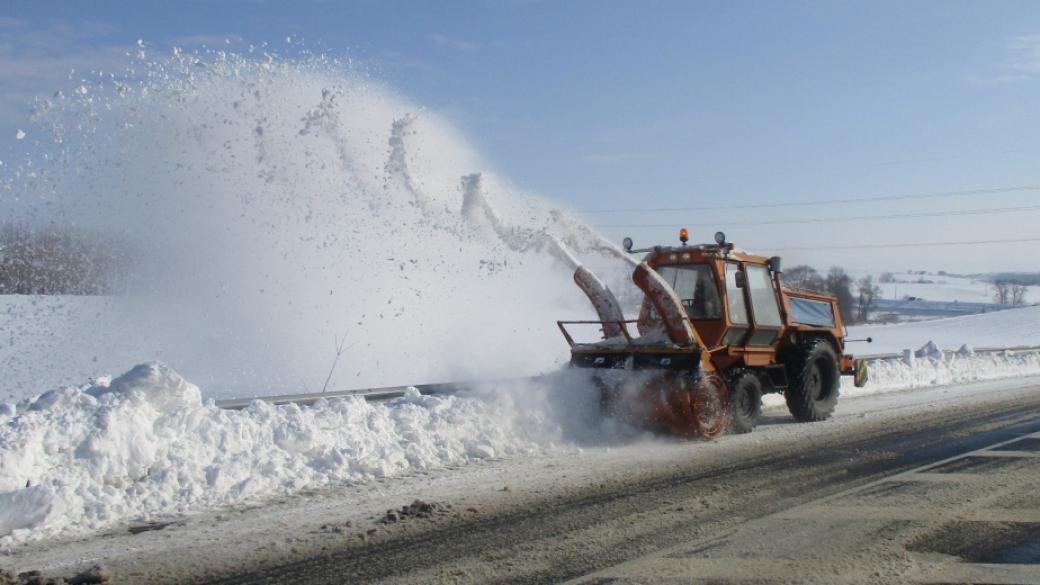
(697, 289)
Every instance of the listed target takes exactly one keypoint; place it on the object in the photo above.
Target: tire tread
(803, 406)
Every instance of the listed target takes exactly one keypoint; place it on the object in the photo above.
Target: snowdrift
(953, 368)
(145, 446)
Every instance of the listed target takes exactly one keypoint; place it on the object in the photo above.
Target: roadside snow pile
(933, 368)
(145, 445)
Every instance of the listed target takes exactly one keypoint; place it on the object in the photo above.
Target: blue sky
(607, 105)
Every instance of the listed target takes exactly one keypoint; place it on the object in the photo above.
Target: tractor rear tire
(814, 380)
(746, 398)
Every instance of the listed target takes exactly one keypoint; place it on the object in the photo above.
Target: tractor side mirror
(740, 279)
(627, 243)
(774, 264)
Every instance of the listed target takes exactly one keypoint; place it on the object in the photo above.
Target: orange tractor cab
(716, 330)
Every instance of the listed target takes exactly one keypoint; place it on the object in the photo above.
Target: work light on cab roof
(716, 329)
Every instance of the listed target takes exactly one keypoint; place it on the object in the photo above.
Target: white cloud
(210, 41)
(38, 61)
(1021, 62)
(606, 157)
(1024, 55)
(10, 22)
(457, 44)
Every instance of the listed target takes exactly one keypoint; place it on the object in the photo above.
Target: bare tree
(804, 277)
(868, 294)
(1002, 291)
(1009, 292)
(839, 284)
(340, 348)
(1018, 293)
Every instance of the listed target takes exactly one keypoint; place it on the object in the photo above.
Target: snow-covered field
(1013, 327)
(938, 287)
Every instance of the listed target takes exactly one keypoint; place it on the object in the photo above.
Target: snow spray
(283, 212)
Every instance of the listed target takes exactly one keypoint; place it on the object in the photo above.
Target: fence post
(909, 358)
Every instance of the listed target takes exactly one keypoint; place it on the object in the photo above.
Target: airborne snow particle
(20, 134)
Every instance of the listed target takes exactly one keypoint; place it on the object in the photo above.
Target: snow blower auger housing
(716, 330)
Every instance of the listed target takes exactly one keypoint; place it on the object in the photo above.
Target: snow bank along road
(864, 497)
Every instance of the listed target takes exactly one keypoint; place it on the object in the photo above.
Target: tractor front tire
(814, 379)
(746, 398)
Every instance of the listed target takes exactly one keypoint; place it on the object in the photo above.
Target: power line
(902, 245)
(831, 201)
(983, 211)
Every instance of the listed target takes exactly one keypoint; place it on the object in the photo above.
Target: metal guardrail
(1025, 348)
(370, 394)
(977, 350)
(391, 392)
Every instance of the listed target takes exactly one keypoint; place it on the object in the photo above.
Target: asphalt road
(931, 497)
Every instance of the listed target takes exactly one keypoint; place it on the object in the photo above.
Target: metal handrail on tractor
(621, 325)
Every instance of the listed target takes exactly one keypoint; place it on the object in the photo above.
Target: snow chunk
(19, 134)
(929, 350)
(154, 383)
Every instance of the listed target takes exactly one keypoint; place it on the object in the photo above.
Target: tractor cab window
(763, 297)
(695, 284)
(735, 297)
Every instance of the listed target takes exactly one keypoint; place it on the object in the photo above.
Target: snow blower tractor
(716, 330)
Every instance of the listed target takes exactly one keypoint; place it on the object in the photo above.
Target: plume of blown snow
(281, 209)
